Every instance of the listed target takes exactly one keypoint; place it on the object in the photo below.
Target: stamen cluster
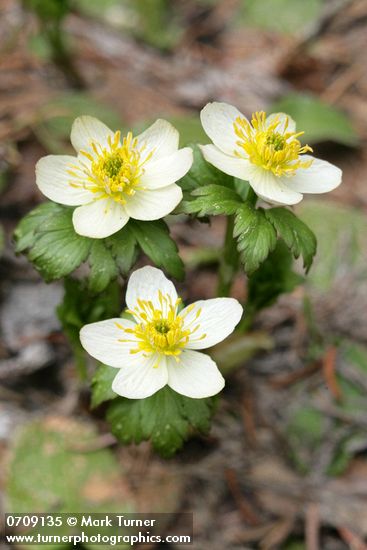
(113, 172)
(269, 146)
(161, 330)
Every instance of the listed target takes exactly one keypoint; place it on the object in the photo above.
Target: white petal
(87, 129)
(145, 283)
(217, 120)
(291, 126)
(195, 375)
(271, 188)
(102, 341)
(217, 319)
(234, 166)
(153, 204)
(161, 138)
(167, 170)
(99, 219)
(320, 177)
(142, 380)
(53, 180)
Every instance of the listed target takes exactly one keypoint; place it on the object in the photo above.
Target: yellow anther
(270, 146)
(160, 330)
(113, 171)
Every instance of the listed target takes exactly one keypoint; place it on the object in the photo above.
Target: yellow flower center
(270, 146)
(160, 330)
(113, 172)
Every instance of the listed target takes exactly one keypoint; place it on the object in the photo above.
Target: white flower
(266, 153)
(158, 346)
(114, 179)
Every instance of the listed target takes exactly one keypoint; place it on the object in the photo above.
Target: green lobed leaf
(123, 247)
(166, 418)
(155, 241)
(212, 200)
(242, 188)
(319, 121)
(296, 234)
(103, 268)
(102, 385)
(256, 236)
(53, 246)
(47, 236)
(80, 307)
(25, 233)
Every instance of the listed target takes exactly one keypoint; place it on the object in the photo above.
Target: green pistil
(113, 166)
(277, 141)
(162, 327)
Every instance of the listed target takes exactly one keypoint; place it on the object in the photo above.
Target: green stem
(61, 55)
(228, 265)
(233, 352)
(247, 320)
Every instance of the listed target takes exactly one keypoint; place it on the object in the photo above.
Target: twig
(328, 369)
(283, 380)
(279, 532)
(353, 419)
(249, 419)
(351, 539)
(331, 11)
(312, 526)
(341, 83)
(244, 508)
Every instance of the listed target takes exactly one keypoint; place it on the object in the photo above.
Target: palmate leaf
(124, 249)
(102, 385)
(295, 233)
(256, 236)
(166, 418)
(52, 245)
(212, 200)
(47, 236)
(155, 241)
(103, 268)
(25, 233)
(81, 306)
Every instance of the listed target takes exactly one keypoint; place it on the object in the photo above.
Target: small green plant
(107, 208)
(52, 38)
